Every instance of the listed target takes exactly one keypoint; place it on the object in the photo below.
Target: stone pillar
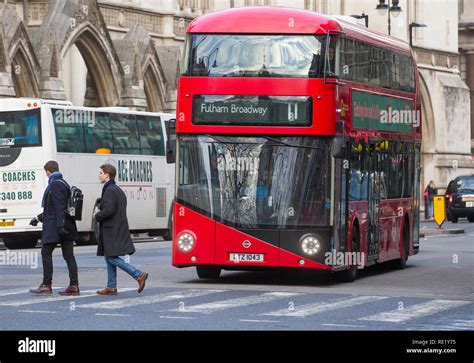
(7, 89)
(470, 84)
(468, 11)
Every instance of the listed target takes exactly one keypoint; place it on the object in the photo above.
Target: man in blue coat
(58, 227)
(115, 239)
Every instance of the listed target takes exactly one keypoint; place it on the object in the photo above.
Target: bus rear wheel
(208, 272)
(402, 262)
(20, 241)
(350, 274)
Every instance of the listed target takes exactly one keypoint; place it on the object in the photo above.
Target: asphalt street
(434, 292)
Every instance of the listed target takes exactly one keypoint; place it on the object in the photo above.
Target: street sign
(439, 209)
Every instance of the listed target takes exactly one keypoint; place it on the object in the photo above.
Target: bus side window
(100, 135)
(125, 134)
(69, 135)
(151, 135)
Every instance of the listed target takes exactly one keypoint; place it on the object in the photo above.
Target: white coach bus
(33, 131)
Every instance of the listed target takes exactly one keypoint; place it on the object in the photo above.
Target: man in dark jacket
(115, 239)
(57, 228)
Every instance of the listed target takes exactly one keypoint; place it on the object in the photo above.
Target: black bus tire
(208, 272)
(402, 262)
(350, 274)
(20, 240)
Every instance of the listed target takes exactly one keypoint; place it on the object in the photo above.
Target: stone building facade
(95, 53)
(127, 53)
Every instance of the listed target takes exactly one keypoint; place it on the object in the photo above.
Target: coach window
(151, 135)
(125, 134)
(69, 135)
(98, 136)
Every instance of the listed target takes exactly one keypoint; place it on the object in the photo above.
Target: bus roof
(282, 20)
(23, 103)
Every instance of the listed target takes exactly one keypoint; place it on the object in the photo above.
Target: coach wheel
(208, 272)
(167, 235)
(402, 262)
(89, 242)
(20, 241)
(350, 274)
(470, 219)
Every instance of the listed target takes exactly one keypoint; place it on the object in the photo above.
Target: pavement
(434, 292)
(431, 228)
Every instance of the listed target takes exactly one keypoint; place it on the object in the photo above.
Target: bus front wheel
(350, 274)
(208, 272)
(20, 241)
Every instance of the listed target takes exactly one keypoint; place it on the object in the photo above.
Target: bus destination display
(252, 110)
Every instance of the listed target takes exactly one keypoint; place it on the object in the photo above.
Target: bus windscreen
(219, 55)
(20, 128)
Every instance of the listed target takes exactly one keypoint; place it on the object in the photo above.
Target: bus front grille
(161, 202)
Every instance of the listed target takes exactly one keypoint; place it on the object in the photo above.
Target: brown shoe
(43, 289)
(107, 291)
(141, 281)
(72, 290)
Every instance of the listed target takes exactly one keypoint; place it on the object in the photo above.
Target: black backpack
(74, 202)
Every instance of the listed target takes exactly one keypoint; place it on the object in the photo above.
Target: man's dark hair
(51, 166)
(109, 169)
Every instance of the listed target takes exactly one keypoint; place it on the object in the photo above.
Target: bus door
(374, 168)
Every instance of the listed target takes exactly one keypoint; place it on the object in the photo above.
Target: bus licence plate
(469, 204)
(246, 257)
(7, 223)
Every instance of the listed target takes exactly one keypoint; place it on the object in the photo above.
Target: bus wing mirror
(170, 151)
(338, 148)
(171, 141)
(171, 127)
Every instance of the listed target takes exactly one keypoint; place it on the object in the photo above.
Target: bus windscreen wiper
(267, 138)
(291, 145)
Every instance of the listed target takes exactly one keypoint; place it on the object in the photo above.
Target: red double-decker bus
(298, 145)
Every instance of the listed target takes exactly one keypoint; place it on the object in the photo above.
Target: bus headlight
(186, 242)
(310, 244)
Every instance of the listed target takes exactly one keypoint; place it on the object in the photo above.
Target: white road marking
(258, 321)
(346, 325)
(177, 317)
(37, 311)
(105, 314)
(323, 306)
(53, 298)
(416, 311)
(214, 306)
(14, 292)
(148, 299)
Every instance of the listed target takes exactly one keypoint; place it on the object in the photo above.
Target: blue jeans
(112, 264)
(430, 208)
